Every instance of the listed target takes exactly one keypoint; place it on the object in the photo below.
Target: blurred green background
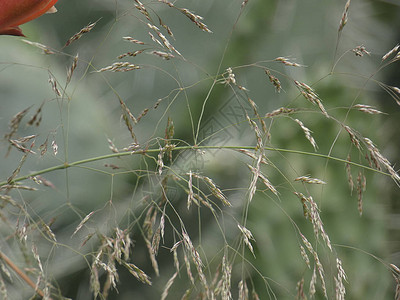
(304, 31)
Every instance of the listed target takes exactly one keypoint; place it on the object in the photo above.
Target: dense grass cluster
(150, 172)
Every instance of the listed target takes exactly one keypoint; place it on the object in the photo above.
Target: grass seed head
(307, 133)
(71, 70)
(132, 40)
(275, 81)
(367, 109)
(360, 51)
(46, 50)
(390, 52)
(131, 54)
(119, 67)
(287, 62)
(343, 20)
(79, 34)
(307, 179)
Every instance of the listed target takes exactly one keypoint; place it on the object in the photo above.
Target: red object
(16, 12)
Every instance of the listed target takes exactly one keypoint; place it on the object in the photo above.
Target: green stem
(121, 154)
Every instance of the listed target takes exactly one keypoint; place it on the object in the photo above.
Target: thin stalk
(21, 274)
(234, 148)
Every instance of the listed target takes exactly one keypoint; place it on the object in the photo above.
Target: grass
(152, 173)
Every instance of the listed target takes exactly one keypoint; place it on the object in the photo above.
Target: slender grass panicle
(79, 34)
(151, 159)
(307, 133)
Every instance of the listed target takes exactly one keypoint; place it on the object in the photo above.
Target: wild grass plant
(155, 161)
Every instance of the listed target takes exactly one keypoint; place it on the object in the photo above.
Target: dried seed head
(142, 114)
(244, 3)
(253, 183)
(128, 116)
(53, 84)
(153, 259)
(305, 256)
(300, 290)
(190, 194)
(196, 19)
(375, 153)
(160, 162)
(341, 272)
(54, 146)
(393, 91)
(286, 62)
(243, 290)
(257, 174)
(16, 172)
(189, 246)
(395, 270)
(394, 50)
(111, 145)
(138, 273)
(119, 67)
(396, 89)
(353, 137)
(397, 57)
(343, 20)
(311, 96)
(85, 219)
(275, 81)
(43, 147)
(361, 185)
(214, 189)
(307, 132)
(247, 237)
(165, 42)
(230, 79)
(313, 281)
(253, 156)
(255, 110)
(71, 70)
(166, 27)
(41, 180)
(131, 147)
(131, 54)
(49, 232)
(168, 286)
(139, 6)
(340, 289)
(37, 117)
(155, 243)
(321, 274)
(132, 40)
(155, 40)
(280, 111)
(226, 279)
(79, 34)
(167, 2)
(18, 145)
(46, 50)
(257, 131)
(367, 109)
(349, 176)
(164, 55)
(312, 210)
(309, 180)
(360, 51)
(188, 269)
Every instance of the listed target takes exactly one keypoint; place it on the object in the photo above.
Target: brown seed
(79, 34)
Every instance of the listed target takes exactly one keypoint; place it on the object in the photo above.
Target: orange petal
(12, 31)
(16, 12)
